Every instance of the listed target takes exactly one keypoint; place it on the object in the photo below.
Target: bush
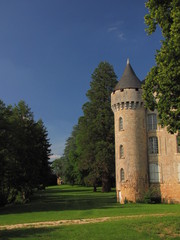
(3, 199)
(152, 195)
(12, 195)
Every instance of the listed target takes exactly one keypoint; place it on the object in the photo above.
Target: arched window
(121, 151)
(153, 145)
(152, 121)
(120, 124)
(122, 177)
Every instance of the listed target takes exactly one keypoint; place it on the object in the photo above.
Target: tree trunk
(94, 188)
(106, 183)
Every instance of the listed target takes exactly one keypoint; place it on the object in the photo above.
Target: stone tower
(130, 137)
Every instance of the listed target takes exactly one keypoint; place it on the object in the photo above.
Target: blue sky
(50, 48)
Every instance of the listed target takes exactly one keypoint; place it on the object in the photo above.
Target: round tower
(130, 137)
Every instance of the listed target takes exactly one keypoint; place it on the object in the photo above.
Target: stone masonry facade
(146, 155)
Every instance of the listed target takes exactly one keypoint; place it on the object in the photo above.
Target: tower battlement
(126, 99)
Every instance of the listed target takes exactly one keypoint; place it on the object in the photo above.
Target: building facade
(146, 155)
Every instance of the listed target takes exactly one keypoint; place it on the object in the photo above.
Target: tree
(24, 153)
(41, 154)
(162, 84)
(71, 159)
(5, 135)
(95, 139)
(24, 174)
(58, 167)
(86, 152)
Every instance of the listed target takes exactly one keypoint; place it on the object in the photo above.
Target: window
(178, 143)
(152, 121)
(121, 151)
(132, 105)
(154, 173)
(153, 145)
(179, 172)
(120, 124)
(122, 178)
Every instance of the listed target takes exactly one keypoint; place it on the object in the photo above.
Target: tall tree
(24, 153)
(41, 148)
(58, 167)
(162, 85)
(5, 155)
(95, 138)
(71, 160)
(22, 148)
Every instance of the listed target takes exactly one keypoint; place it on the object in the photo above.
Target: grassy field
(67, 202)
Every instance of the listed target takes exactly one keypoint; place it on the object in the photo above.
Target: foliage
(88, 157)
(152, 195)
(24, 153)
(71, 159)
(95, 139)
(162, 85)
(66, 167)
(58, 167)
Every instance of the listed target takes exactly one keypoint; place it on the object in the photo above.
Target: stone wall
(135, 162)
(168, 159)
(132, 138)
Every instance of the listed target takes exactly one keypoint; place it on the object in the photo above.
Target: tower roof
(128, 79)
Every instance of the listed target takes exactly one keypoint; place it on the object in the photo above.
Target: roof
(128, 79)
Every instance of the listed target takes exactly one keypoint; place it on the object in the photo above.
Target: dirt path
(76, 221)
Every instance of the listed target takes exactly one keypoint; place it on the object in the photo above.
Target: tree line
(24, 153)
(89, 157)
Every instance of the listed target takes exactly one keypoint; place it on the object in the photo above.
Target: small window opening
(122, 177)
(121, 149)
(120, 124)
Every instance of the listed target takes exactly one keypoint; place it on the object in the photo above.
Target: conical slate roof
(129, 79)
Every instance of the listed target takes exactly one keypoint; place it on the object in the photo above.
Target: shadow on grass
(30, 233)
(64, 198)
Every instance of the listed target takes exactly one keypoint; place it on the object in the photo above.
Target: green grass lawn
(142, 228)
(75, 202)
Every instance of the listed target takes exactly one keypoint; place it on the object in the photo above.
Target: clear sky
(50, 48)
